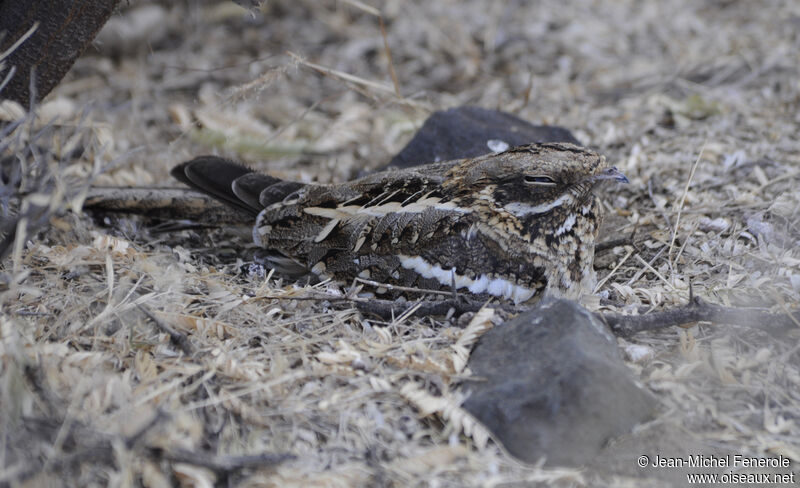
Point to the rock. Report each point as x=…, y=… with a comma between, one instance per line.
x=64, y=30
x=551, y=384
x=466, y=132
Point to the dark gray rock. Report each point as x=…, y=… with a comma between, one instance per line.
x=550, y=383
x=465, y=132
x=64, y=30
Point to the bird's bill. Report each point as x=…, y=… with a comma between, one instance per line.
x=611, y=173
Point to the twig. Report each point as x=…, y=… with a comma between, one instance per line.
x=622, y=325
x=683, y=201
x=177, y=338
x=162, y=203
x=342, y=76
x=643, y=270
x=386, y=309
x=661, y=211
x=100, y=451
x=24, y=37
x=377, y=13
x=389, y=286
x=392, y=73
x=654, y=271
x=696, y=310
x=613, y=271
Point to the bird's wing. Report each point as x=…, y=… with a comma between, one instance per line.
x=349, y=228
x=380, y=214
x=244, y=189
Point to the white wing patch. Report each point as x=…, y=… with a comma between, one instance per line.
x=326, y=230
x=345, y=212
x=498, y=287
x=522, y=209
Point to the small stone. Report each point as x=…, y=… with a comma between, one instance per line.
x=497, y=146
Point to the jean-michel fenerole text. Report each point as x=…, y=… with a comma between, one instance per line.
x=721, y=461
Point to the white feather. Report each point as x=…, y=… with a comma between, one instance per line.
x=494, y=286
x=523, y=209
x=567, y=225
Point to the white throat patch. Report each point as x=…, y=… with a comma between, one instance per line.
x=523, y=209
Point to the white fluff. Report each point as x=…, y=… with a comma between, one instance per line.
x=479, y=285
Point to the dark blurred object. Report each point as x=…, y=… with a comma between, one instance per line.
x=64, y=30
x=10, y=176
x=551, y=384
x=18, y=203
x=33, y=184
x=466, y=132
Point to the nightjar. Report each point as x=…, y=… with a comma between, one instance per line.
x=512, y=224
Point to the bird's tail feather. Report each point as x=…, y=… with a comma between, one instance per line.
x=234, y=184
x=215, y=176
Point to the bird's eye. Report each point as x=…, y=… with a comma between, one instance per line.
x=539, y=180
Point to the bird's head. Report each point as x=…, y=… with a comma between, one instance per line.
x=536, y=179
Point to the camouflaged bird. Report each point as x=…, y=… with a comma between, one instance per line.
x=510, y=225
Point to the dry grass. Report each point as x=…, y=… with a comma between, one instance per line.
x=696, y=102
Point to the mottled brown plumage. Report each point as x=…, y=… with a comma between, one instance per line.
x=510, y=225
